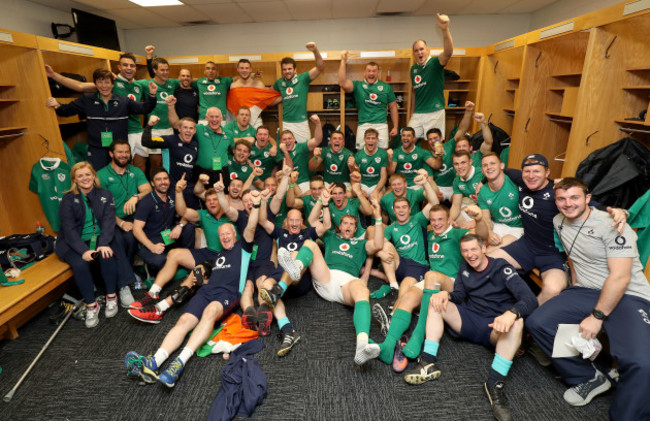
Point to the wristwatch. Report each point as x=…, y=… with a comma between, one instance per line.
x=257, y=206
x=136, y=196
x=598, y=314
x=516, y=312
x=180, y=224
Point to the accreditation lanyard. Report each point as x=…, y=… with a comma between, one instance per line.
x=216, y=160
x=106, y=136
x=165, y=234
x=93, y=238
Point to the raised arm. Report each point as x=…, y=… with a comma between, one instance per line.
x=249, y=231
x=366, y=207
x=149, y=50
x=447, y=43
x=318, y=133
x=276, y=202
x=255, y=172
x=69, y=83
x=174, y=121
x=488, y=140
x=465, y=122
x=229, y=211
x=377, y=242
x=292, y=200
x=199, y=186
x=345, y=83
x=316, y=70
x=391, y=166
x=181, y=207
x=394, y=118
x=263, y=218
x=326, y=225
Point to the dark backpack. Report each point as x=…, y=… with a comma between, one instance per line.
x=60, y=91
x=38, y=246
x=500, y=137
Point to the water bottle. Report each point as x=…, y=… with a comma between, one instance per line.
x=40, y=229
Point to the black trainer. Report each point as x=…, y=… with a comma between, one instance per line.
x=498, y=401
x=288, y=341
x=581, y=394
x=422, y=373
x=271, y=296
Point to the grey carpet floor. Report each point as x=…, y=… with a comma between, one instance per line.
x=82, y=376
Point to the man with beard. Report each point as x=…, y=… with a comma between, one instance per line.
x=428, y=81
x=155, y=227
x=241, y=127
x=264, y=155
x=340, y=204
x=128, y=185
x=371, y=163
x=248, y=91
x=335, y=273
x=308, y=201
x=239, y=165
x=183, y=150
x=372, y=96
x=466, y=185
x=187, y=96
x=397, y=183
x=409, y=158
x=609, y=292
x=293, y=89
x=149, y=309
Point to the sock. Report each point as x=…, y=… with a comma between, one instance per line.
x=398, y=324
x=499, y=370
x=282, y=285
x=185, y=355
x=154, y=290
x=414, y=345
x=394, y=285
x=362, y=340
x=380, y=292
x=361, y=317
x=162, y=306
x=285, y=325
x=160, y=356
x=305, y=255
x=430, y=352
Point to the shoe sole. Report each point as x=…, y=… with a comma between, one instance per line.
x=155, y=322
x=597, y=391
x=288, y=264
x=148, y=376
x=369, y=352
x=266, y=296
x=379, y=314
x=421, y=378
x=284, y=351
x=264, y=324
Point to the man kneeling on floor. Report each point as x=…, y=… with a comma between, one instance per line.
x=214, y=300
x=487, y=307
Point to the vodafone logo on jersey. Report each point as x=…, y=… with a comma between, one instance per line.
x=233, y=175
x=405, y=239
x=334, y=167
x=373, y=97
x=289, y=90
x=211, y=88
x=408, y=166
x=344, y=247
x=370, y=170
x=435, y=247
x=418, y=79
x=131, y=97
x=257, y=163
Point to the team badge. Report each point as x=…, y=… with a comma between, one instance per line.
x=61, y=177
x=365, y=86
x=266, y=154
x=294, y=80
x=414, y=156
x=378, y=160
x=380, y=88
x=137, y=90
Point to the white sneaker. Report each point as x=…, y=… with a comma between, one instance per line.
x=126, y=298
x=92, y=316
x=111, y=307
x=291, y=266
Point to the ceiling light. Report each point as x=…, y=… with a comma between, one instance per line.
x=152, y=3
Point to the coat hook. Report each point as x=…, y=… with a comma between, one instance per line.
x=537, y=59
x=526, y=126
x=610, y=46
x=495, y=66
x=489, y=118
x=587, y=140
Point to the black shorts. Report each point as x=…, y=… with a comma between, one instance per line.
x=202, y=255
x=529, y=258
x=410, y=268
x=263, y=268
x=474, y=326
x=202, y=298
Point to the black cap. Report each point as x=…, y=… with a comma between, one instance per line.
x=541, y=160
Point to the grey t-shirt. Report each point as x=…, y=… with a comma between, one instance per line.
x=594, y=244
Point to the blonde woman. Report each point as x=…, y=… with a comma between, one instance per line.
x=87, y=215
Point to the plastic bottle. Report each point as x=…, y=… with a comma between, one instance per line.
x=40, y=229
x=388, y=78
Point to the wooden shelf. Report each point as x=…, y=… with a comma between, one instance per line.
x=568, y=74
x=6, y=85
x=637, y=87
x=6, y=132
x=639, y=69
x=459, y=81
x=633, y=122
x=455, y=109
x=513, y=79
x=511, y=90
x=8, y=101
x=509, y=110
x=457, y=90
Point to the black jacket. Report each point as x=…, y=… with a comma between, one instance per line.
x=72, y=213
x=114, y=120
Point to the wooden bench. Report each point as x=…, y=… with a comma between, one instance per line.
x=45, y=282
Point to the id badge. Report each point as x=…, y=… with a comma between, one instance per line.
x=107, y=139
x=254, y=254
x=93, y=242
x=165, y=236
x=216, y=163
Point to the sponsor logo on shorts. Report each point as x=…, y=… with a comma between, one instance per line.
x=644, y=316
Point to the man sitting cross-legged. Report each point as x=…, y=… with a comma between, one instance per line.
x=487, y=307
x=214, y=300
x=335, y=273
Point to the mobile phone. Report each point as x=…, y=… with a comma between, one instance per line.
x=198, y=275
